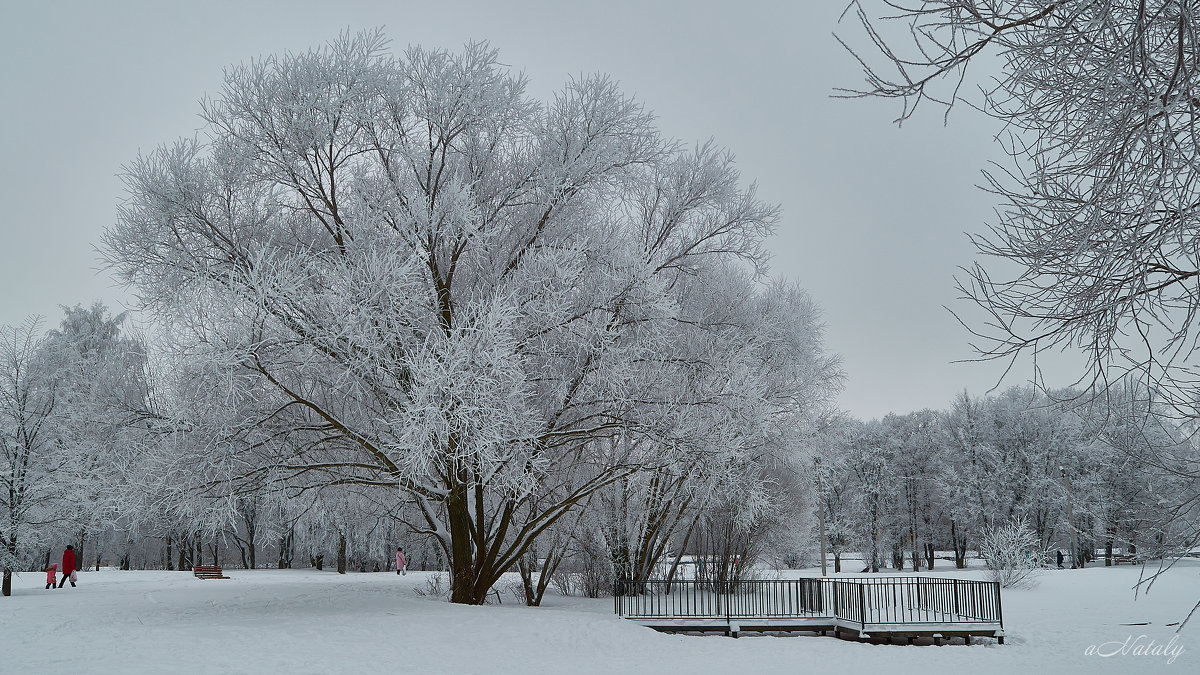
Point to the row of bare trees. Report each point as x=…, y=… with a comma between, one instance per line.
x=903, y=488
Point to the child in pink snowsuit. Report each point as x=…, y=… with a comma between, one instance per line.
x=50, y=572
x=401, y=561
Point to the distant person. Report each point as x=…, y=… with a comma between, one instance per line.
x=51, y=571
x=1060, y=559
x=68, y=566
x=401, y=561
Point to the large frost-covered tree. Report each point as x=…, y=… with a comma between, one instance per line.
x=767, y=377
x=30, y=411
x=67, y=398
x=424, y=278
x=104, y=377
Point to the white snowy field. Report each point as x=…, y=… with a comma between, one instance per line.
x=304, y=621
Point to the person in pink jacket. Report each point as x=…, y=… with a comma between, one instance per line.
x=401, y=561
x=50, y=572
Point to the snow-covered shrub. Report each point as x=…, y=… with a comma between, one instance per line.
x=435, y=586
x=595, y=580
x=565, y=582
x=1013, y=553
x=513, y=587
x=588, y=574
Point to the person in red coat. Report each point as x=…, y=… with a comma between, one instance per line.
x=68, y=566
x=50, y=572
x=401, y=561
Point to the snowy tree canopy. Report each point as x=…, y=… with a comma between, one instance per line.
x=67, y=402
x=423, y=277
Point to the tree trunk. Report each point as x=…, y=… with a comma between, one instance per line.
x=621, y=565
x=837, y=562
x=462, y=574
x=185, y=553
x=170, y=564
x=341, y=561
x=286, y=552
x=930, y=555
x=11, y=548
x=525, y=567
x=960, y=547
x=79, y=551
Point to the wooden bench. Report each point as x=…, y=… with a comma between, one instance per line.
x=207, y=572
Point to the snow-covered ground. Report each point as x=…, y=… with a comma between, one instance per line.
x=304, y=621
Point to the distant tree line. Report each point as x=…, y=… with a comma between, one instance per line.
x=901, y=489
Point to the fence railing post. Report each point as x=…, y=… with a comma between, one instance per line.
x=862, y=606
x=999, y=610
x=728, y=601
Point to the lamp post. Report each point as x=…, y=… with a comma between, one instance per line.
x=821, y=516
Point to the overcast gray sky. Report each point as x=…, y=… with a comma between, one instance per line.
x=874, y=215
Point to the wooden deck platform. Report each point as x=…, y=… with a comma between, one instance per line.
x=868, y=608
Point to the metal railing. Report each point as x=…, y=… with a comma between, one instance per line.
x=891, y=600
x=720, y=599
x=847, y=600
x=862, y=601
